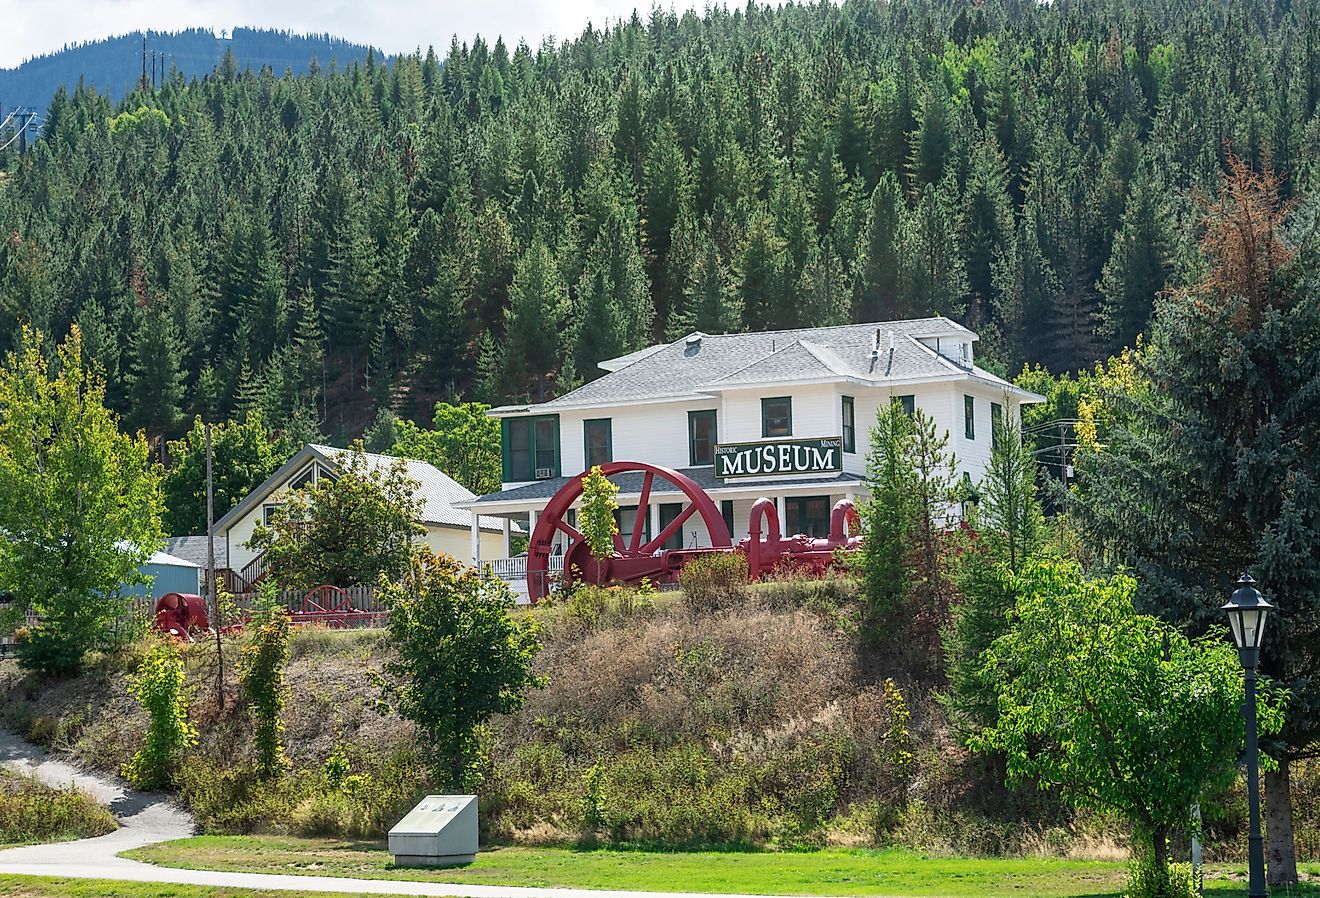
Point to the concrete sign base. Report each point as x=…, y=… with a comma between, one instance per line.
x=440, y=832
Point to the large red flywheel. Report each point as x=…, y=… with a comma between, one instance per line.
x=640, y=558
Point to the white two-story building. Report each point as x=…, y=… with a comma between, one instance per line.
x=782, y=414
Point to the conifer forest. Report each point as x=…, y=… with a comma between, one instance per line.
x=488, y=221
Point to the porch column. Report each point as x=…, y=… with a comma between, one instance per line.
x=653, y=511
x=508, y=537
x=476, y=539
x=531, y=525
x=783, y=515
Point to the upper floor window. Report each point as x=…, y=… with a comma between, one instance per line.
x=310, y=476
x=849, y=425
x=531, y=448
x=702, y=437
x=599, y=440
x=909, y=403
x=777, y=417
x=969, y=417
x=996, y=423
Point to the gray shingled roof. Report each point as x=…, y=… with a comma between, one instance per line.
x=630, y=483
x=690, y=367
x=193, y=548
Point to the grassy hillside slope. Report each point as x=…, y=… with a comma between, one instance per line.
x=777, y=721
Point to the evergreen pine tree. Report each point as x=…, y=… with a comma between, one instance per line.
x=1010, y=527
x=1139, y=267
x=154, y=379
x=879, y=278
x=538, y=305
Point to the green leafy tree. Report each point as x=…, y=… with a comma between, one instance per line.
x=597, y=514
x=242, y=456
x=1139, y=267
x=261, y=677
x=462, y=658
x=347, y=530
x=464, y=443
x=1115, y=710
x=935, y=495
x=383, y=432
x=80, y=501
x=158, y=687
x=879, y=278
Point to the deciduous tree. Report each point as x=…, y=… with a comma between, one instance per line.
x=462, y=658
x=80, y=502
x=345, y=530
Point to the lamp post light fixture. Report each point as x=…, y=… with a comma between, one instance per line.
x=1247, y=612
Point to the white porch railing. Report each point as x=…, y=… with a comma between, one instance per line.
x=516, y=568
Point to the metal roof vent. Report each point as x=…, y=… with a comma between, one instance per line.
x=694, y=340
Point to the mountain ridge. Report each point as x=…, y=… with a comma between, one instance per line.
x=113, y=65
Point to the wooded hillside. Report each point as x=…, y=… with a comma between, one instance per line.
x=489, y=222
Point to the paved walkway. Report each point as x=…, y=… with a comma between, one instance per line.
x=146, y=819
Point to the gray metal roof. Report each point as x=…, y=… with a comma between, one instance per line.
x=630, y=483
x=436, y=490
x=694, y=367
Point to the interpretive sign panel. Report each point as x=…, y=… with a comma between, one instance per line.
x=440, y=831
x=773, y=458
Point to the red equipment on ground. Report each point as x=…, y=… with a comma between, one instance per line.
x=181, y=614
x=642, y=559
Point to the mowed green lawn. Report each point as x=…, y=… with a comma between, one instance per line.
x=63, y=887
x=889, y=872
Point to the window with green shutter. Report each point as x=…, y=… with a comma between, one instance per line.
x=530, y=448
x=969, y=417
x=849, y=425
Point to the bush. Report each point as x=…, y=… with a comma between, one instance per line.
x=587, y=606
x=714, y=581
x=261, y=674
x=1146, y=880
x=44, y=651
x=158, y=686
x=33, y=812
x=232, y=798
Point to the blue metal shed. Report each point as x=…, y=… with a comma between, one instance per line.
x=171, y=573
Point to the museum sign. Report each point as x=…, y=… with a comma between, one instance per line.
x=774, y=458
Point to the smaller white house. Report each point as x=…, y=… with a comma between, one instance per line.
x=448, y=529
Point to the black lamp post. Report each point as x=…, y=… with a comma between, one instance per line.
x=1247, y=611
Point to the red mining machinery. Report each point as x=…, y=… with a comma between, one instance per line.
x=646, y=559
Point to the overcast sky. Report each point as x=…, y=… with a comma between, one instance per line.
x=32, y=28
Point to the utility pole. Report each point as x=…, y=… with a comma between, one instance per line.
x=144, y=83
x=211, y=587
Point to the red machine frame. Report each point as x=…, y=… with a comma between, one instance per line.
x=642, y=559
